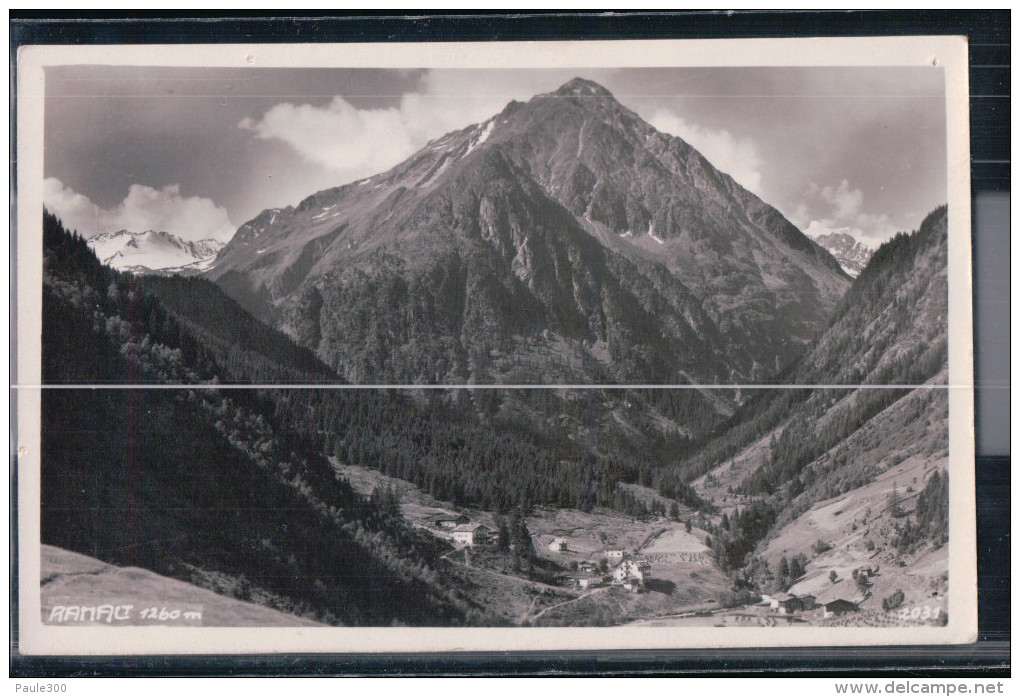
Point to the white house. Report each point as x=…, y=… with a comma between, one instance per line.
x=471, y=534
x=558, y=545
x=631, y=572
x=589, y=581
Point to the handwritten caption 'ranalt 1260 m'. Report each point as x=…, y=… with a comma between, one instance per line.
x=123, y=613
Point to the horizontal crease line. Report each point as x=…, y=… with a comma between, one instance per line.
x=486, y=387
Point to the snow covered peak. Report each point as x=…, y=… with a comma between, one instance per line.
x=153, y=250
x=851, y=251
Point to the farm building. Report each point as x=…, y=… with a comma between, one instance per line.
x=790, y=605
x=777, y=599
x=558, y=545
x=586, y=581
x=786, y=603
x=448, y=521
x=472, y=534
x=839, y=607
x=614, y=554
x=631, y=572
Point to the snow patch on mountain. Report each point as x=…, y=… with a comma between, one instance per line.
x=651, y=233
x=325, y=213
x=486, y=132
x=444, y=163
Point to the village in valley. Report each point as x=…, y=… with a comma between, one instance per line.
x=604, y=567
x=612, y=567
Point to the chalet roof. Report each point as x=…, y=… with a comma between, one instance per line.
x=447, y=516
x=840, y=604
x=471, y=527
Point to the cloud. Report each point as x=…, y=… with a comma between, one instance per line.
x=876, y=227
x=338, y=136
x=144, y=208
x=738, y=157
x=839, y=209
x=77, y=212
x=846, y=201
x=358, y=142
x=800, y=216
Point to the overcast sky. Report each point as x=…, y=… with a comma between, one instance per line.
x=198, y=152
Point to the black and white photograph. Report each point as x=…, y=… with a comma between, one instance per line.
x=572, y=345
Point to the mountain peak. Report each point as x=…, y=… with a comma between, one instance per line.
x=568, y=210
x=581, y=87
x=852, y=252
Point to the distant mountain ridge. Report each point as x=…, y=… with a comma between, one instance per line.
x=851, y=253
x=562, y=240
x=151, y=250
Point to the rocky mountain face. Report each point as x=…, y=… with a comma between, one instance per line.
x=153, y=251
x=851, y=253
x=563, y=240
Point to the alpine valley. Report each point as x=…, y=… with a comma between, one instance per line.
x=626, y=294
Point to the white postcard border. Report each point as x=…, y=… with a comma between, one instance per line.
x=945, y=53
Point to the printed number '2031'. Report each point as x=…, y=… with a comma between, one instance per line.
x=925, y=612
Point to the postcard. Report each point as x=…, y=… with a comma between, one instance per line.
x=494, y=346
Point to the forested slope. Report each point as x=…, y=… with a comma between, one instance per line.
x=890, y=329
x=202, y=485
x=461, y=447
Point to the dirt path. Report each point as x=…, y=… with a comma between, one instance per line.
x=567, y=602
x=651, y=538
x=527, y=613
